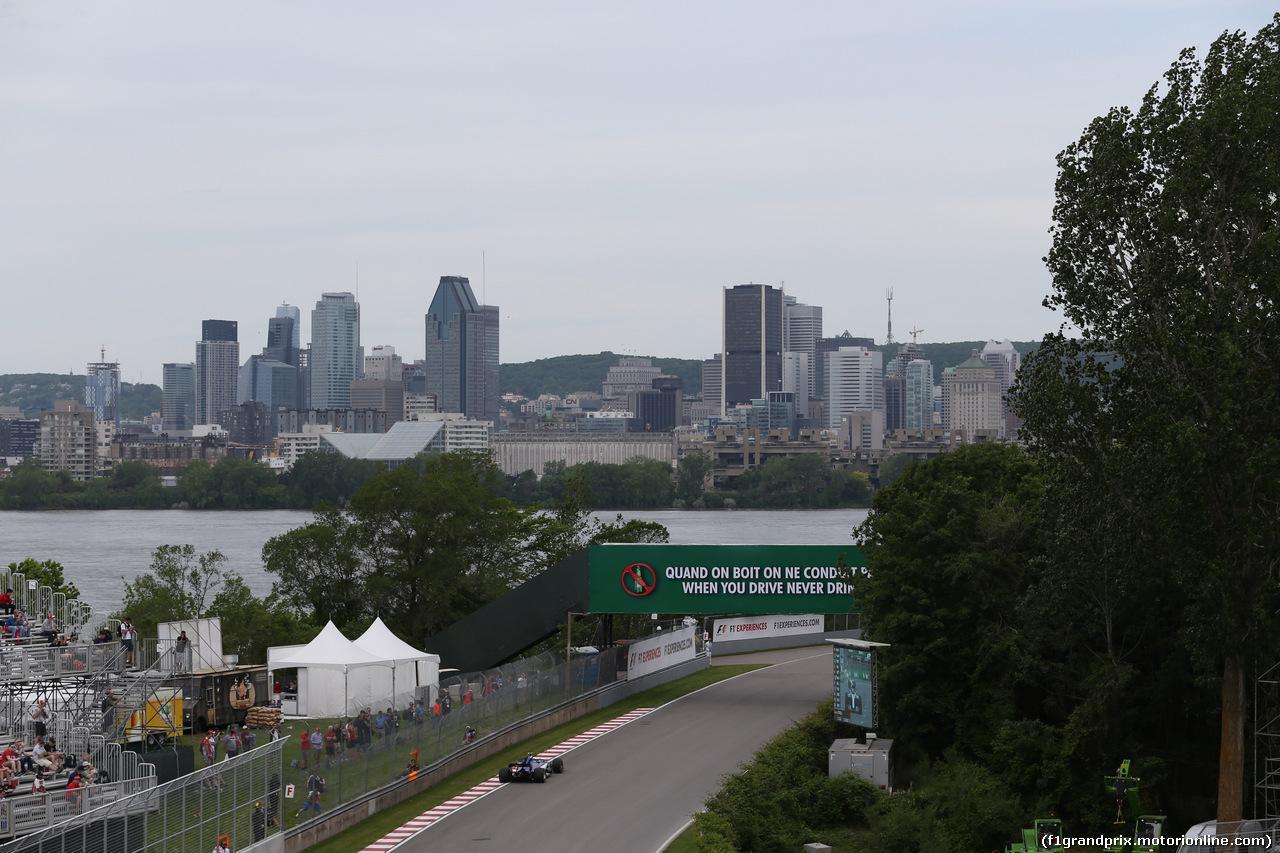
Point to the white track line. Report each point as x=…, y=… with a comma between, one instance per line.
x=399, y=836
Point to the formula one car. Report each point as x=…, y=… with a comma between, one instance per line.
x=530, y=769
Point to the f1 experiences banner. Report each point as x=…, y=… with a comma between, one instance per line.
x=746, y=627
x=660, y=652
x=751, y=579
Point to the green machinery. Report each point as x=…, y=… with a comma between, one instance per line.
x=1144, y=837
x=1147, y=829
x=1044, y=837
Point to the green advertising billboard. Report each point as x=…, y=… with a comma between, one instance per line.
x=751, y=579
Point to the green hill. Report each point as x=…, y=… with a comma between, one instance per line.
x=565, y=374
x=32, y=392
x=951, y=354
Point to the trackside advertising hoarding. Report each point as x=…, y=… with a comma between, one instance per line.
x=751, y=579
x=660, y=652
x=749, y=627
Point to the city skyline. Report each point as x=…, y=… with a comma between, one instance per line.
x=606, y=171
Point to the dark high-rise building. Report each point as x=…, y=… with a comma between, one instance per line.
x=217, y=369
x=660, y=408
x=219, y=330
x=178, y=406
x=18, y=437
x=752, y=351
x=273, y=378
x=282, y=336
x=461, y=366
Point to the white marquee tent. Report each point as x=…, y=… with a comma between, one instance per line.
x=412, y=667
x=335, y=676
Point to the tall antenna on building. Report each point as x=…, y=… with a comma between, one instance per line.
x=104, y=352
x=889, y=298
x=484, y=290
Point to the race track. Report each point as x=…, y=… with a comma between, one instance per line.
x=632, y=789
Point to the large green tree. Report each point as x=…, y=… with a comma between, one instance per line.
x=423, y=545
x=1155, y=410
x=950, y=549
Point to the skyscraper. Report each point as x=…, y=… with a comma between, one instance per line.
x=178, y=406
x=855, y=382
x=826, y=345
x=293, y=313
x=1005, y=360
x=273, y=378
x=802, y=329
x=752, y=350
x=102, y=391
x=918, y=396
x=971, y=397
x=462, y=350
x=337, y=359
x=217, y=369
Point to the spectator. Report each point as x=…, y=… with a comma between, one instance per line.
x=353, y=736
x=330, y=744
x=317, y=744
x=380, y=726
x=40, y=755
x=209, y=747
x=126, y=640
x=315, y=787
x=109, y=703
x=273, y=799
x=73, y=790
x=304, y=742
x=181, y=653
x=51, y=749
x=40, y=720
x=258, y=822
x=230, y=744
x=6, y=602
x=224, y=845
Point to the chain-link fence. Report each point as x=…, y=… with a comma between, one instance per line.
x=243, y=798
x=266, y=789
x=384, y=743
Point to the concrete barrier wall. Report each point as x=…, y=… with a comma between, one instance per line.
x=347, y=815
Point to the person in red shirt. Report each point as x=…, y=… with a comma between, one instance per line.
x=306, y=747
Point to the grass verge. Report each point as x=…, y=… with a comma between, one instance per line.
x=359, y=836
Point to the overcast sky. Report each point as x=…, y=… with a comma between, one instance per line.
x=615, y=164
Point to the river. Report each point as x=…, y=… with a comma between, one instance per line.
x=101, y=549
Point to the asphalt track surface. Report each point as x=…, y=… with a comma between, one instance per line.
x=633, y=789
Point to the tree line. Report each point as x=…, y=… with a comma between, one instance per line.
x=806, y=481
x=1111, y=591
x=230, y=483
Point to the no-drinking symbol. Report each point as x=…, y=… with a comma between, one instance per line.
x=639, y=579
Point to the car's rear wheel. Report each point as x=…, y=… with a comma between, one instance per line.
x=539, y=774
x=557, y=765
x=504, y=774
